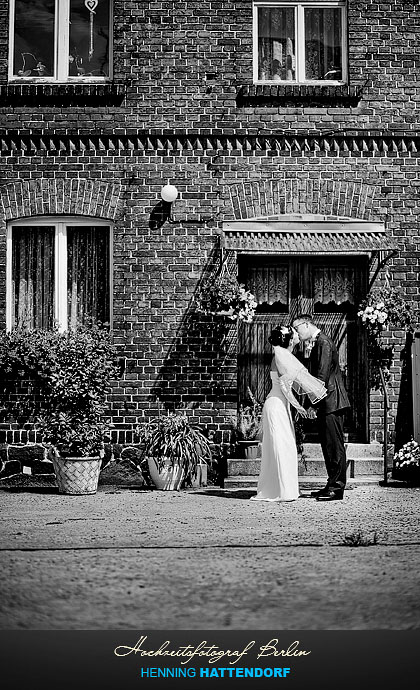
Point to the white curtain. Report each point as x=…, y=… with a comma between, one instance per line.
x=88, y=274
x=33, y=277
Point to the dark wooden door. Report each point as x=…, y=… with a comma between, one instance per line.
x=330, y=289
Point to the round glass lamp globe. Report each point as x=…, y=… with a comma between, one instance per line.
x=169, y=193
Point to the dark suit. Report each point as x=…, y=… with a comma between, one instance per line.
x=323, y=363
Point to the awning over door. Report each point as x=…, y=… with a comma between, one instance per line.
x=307, y=237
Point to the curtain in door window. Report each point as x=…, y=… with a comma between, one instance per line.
x=335, y=284
x=269, y=284
x=276, y=41
x=323, y=43
x=88, y=274
x=33, y=277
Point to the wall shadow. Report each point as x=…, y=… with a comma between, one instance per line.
x=200, y=367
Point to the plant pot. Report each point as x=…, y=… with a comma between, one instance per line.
x=169, y=478
x=200, y=478
x=76, y=475
x=250, y=450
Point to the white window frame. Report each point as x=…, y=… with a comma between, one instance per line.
x=61, y=48
x=60, y=224
x=299, y=6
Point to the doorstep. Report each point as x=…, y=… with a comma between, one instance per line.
x=307, y=482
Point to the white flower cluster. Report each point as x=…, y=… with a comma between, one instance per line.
x=245, y=310
x=408, y=455
x=376, y=315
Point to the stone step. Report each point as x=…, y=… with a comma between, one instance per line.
x=313, y=467
x=353, y=450
x=309, y=483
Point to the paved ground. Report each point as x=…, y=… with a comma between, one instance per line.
x=208, y=559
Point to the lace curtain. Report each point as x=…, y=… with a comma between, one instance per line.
x=323, y=43
x=276, y=38
x=269, y=284
x=334, y=285
x=88, y=274
x=33, y=277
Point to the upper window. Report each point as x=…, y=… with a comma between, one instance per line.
x=58, y=271
x=60, y=40
x=300, y=42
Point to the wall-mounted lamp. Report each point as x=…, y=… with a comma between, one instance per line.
x=169, y=193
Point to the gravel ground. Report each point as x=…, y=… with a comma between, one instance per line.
x=208, y=559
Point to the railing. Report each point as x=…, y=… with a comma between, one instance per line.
x=386, y=408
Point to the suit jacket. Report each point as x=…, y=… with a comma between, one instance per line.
x=323, y=363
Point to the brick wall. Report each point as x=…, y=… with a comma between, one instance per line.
x=182, y=67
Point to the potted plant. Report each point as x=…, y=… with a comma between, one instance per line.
x=174, y=449
x=68, y=374
x=246, y=425
x=75, y=446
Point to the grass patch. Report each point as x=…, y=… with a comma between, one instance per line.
x=360, y=539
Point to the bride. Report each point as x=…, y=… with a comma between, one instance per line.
x=278, y=480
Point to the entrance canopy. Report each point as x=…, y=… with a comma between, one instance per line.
x=318, y=237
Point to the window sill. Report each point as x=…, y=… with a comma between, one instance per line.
x=299, y=95
x=43, y=94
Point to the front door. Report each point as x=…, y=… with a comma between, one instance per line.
x=330, y=289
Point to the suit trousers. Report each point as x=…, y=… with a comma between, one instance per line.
x=331, y=435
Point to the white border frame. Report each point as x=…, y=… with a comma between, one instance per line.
x=299, y=6
x=60, y=261
x=61, y=37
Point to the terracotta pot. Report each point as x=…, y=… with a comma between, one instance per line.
x=169, y=478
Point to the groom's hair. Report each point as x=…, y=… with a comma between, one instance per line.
x=304, y=317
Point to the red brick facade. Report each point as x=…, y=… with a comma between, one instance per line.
x=183, y=109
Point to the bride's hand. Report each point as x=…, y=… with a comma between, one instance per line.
x=303, y=413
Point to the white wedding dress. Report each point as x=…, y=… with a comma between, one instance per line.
x=278, y=480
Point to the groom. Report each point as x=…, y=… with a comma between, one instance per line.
x=323, y=364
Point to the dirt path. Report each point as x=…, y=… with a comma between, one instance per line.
x=127, y=559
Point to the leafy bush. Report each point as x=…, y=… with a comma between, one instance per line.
x=71, y=372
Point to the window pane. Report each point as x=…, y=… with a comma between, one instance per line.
x=88, y=274
x=33, y=277
x=323, y=39
x=89, y=39
x=34, y=38
x=276, y=43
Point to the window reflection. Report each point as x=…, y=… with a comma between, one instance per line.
x=89, y=39
x=34, y=38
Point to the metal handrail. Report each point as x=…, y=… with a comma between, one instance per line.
x=386, y=408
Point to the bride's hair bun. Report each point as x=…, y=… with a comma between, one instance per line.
x=282, y=335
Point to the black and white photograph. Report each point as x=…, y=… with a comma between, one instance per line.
x=209, y=316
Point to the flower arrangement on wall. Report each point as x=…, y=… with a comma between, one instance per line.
x=384, y=310
x=224, y=295
x=407, y=461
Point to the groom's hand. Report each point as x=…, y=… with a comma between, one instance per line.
x=311, y=413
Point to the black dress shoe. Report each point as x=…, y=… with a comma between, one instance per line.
x=320, y=492
x=331, y=496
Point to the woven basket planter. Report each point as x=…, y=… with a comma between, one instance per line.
x=77, y=475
